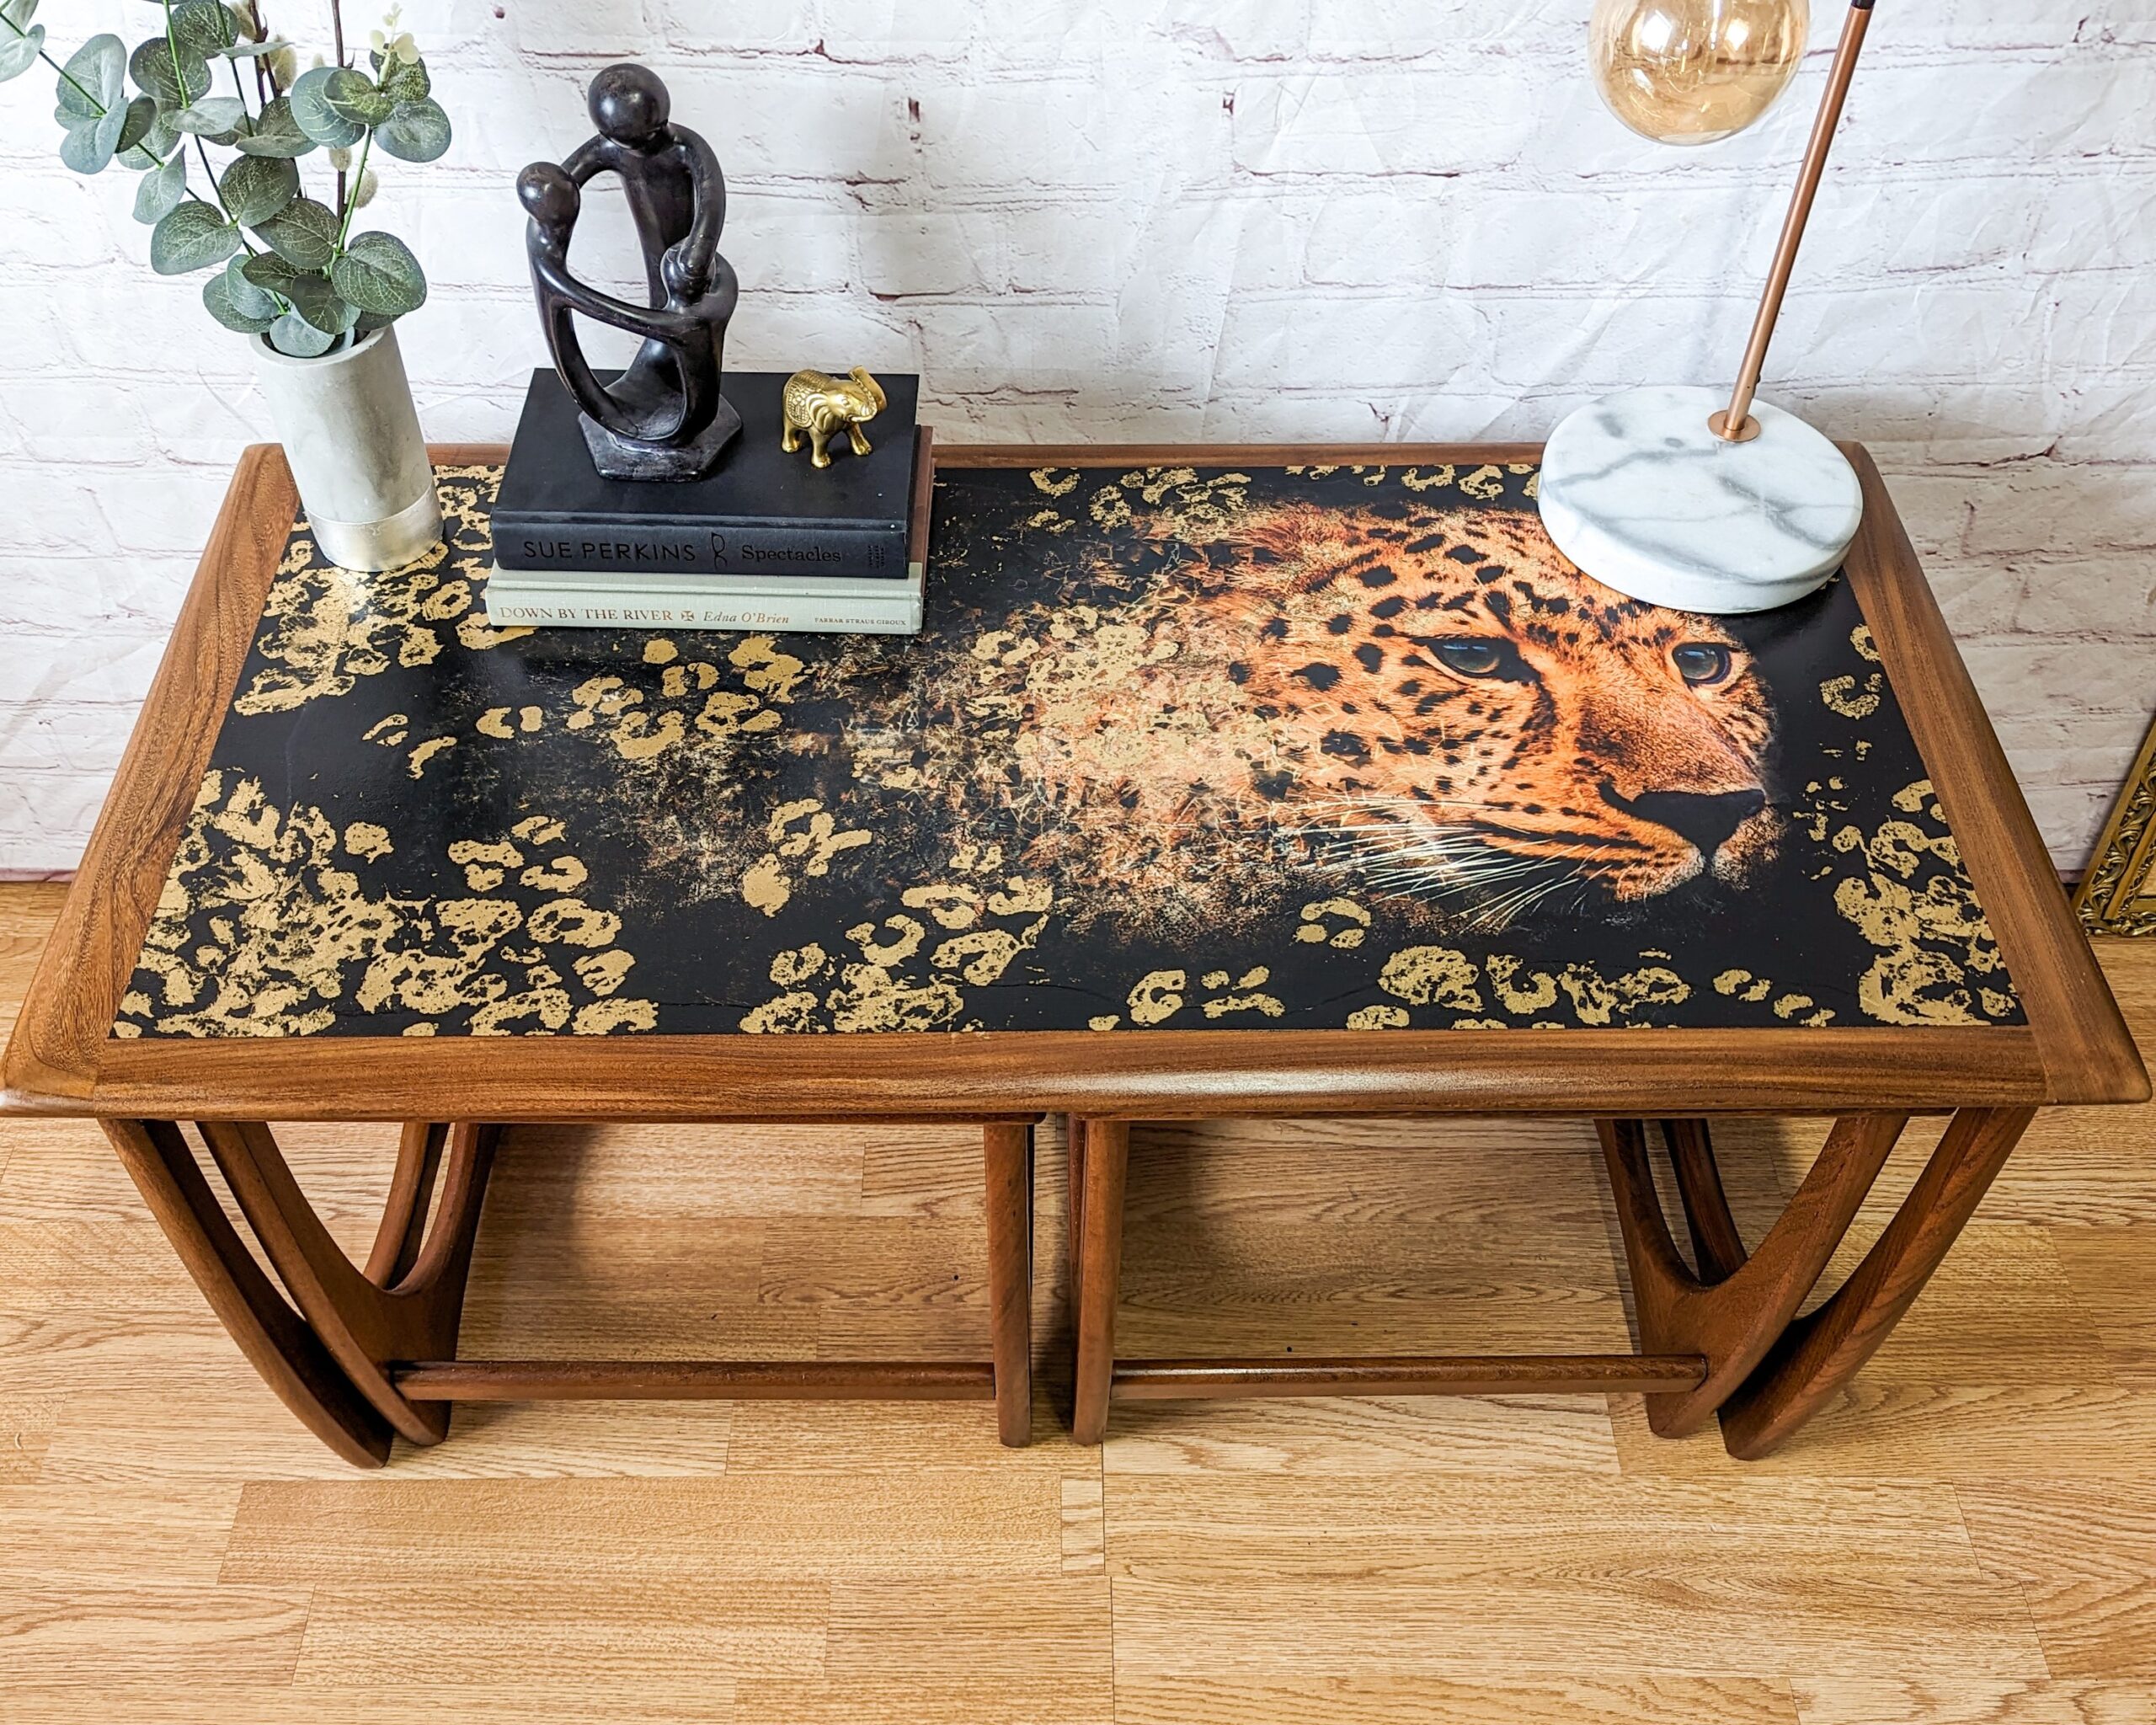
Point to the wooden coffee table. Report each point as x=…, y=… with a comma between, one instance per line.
x=1224, y=782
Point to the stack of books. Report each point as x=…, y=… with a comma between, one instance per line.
x=766, y=541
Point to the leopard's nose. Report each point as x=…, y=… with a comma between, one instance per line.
x=1707, y=819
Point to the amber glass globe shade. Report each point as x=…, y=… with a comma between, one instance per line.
x=1691, y=72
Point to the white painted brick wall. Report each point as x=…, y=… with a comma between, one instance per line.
x=1125, y=219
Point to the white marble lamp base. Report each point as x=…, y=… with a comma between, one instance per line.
x=1642, y=496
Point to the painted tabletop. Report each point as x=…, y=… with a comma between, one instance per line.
x=1233, y=749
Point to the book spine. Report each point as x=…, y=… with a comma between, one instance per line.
x=613, y=611
x=701, y=547
x=597, y=585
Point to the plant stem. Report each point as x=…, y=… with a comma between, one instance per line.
x=75, y=85
x=172, y=47
x=344, y=202
x=263, y=69
x=70, y=76
x=217, y=192
x=359, y=183
x=101, y=109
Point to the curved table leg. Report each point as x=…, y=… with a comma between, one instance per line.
x=1008, y=1153
x=1732, y=1317
x=1098, y=1252
x=1823, y=1350
x=1717, y=1247
x=413, y=1312
x=275, y=1339
x=403, y=1227
x=1074, y=1221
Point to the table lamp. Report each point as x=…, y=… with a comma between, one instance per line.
x=1673, y=493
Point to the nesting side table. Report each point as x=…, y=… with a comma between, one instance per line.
x=1223, y=782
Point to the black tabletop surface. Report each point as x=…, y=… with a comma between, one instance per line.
x=1212, y=749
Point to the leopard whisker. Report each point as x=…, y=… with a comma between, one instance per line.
x=1485, y=866
x=1405, y=831
x=1465, y=846
x=1390, y=844
x=1435, y=881
x=1437, y=866
x=1378, y=801
x=1476, y=830
x=1508, y=910
x=1437, y=884
x=1387, y=835
x=1518, y=885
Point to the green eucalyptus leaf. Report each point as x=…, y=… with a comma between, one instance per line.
x=404, y=82
x=154, y=146
x=18, y=13
x=266, y=270
x=276, y=132
x=312, y=111
x=19, y=48
x=377, y=273
x=255, y=51
x=88, y=145
x=172, y=83
x=94, y=81
x=192, y=237
x=202, y=29
x=294, y=335
x=159, y=193
x=353, y=97
x=83, y=147
x=217, y=297
x=213, y=117
x=303, y=233
x=315, y=299
x=247, y=297
x=255, y=188
x=419, y=131
x=142, y=115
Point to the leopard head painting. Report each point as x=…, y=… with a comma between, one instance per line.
x=1431, y=705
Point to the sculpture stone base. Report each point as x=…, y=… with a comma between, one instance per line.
x=653, y=406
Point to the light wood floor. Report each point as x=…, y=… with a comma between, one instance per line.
x=1971, y=1537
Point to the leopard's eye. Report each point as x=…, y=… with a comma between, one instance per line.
x=1701, y=663
x=1470, y=658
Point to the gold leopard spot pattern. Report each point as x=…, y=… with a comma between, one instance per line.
x=1181, y=748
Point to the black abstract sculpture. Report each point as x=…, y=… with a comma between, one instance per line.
x=663, y=418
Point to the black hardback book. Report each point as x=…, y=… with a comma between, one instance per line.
x=762, y=512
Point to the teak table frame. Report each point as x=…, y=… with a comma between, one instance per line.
x=1722, y=1338
x=362, y=1353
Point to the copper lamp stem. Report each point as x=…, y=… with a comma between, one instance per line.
x=1736, y=423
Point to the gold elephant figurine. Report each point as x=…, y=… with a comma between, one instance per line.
x=823, y=405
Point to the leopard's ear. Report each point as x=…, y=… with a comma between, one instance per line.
x=1311, y=546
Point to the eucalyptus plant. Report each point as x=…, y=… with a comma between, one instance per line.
x=286, y=265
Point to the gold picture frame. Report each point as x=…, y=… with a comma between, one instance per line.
x=2118, y=894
